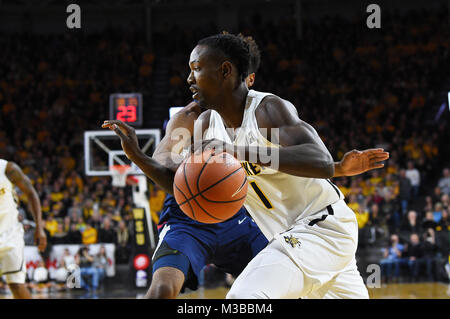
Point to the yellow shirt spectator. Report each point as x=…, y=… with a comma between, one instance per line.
x=51, y=225
x=361, y=218
x=156, y=204
x=345, y=190
x=56, y=196
x=89, y=236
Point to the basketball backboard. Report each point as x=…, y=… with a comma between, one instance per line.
x=102, y=150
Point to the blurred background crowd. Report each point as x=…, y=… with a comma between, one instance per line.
x=358, y=89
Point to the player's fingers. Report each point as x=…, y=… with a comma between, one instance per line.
x=379, y=155
x=373, y=150
x=376, y=165
x=378, y=158
x=118, y=131
x=120, y=124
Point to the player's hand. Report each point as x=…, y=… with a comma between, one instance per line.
x=127, y=136
x=40, y=238
x=357, y=162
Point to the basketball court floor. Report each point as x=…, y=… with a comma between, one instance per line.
x=390, y=291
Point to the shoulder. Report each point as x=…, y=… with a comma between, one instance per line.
x=11, y=167
x=3, y=164
x=185, y=117
x=204, y=119
x=192, y=110
x=274, y=111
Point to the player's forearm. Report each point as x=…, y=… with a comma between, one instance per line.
x=306, y=160
x=338, y=171
x=168, y=159
x=161, y=175
x=35, y=207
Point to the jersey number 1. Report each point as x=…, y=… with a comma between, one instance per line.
x=261, y=195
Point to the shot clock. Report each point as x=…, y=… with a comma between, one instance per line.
x=126, y=107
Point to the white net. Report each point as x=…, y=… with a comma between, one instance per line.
x=119, y=176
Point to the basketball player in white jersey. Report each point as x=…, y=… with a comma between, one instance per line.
x=353, y=163
x=12, y=259
x=313, y=234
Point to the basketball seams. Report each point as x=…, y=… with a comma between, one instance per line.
x=193, y=197
x=211, y=186
x=190, y=206
x=218, y=182
x=189, y=189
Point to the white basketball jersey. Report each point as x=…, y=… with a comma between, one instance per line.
x=8, y=206
x=275, y=200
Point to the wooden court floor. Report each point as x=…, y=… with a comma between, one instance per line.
x=390, y=291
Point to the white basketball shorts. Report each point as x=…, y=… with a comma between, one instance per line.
x=12, y=258
x=314, y=259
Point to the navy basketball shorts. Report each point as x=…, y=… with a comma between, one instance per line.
x=189, y=246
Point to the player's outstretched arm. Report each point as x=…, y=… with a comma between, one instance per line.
x=357, y=162
x=18, y=178
x=160, y=174
x=161, y=167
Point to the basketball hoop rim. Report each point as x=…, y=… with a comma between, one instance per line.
x=121, y=169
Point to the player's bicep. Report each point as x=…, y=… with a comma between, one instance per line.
x=298, y=134
x=18, y=178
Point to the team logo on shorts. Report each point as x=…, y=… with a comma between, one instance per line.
x=292, y=241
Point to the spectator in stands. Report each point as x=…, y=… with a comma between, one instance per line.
x=428, y=221
x=107, y=234
x=410, y=226
x=157, y=197
x=28, y=228
x=74, y=211
x=89, y=275
x=60, y=237
x=89, y=235
x=413, y=254
x=51, y=224
x=123, y=243
x=74, y=235
x=437, y=213
x=413, y=175
x=436, y=197
x=444, y=222
x=444, y=181
x=445, y=201
x=376, y=224
x=428, y=204
x=430, y=250
x=391, y=209
x=405, y=190
x=392, y=259
x=81, y=224
x=66, y=224
x=101, y=263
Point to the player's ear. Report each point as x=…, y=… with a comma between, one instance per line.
x=227, y=68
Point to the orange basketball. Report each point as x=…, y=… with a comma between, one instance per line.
x=210, y=188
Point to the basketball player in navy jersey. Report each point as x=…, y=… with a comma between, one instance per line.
x=185, y=246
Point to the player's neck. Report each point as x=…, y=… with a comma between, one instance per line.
x=232, y=110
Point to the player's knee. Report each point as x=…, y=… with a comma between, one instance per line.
x=162, y=290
